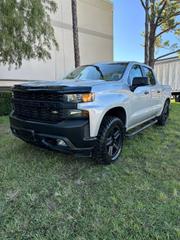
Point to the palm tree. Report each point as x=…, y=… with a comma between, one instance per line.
x=75, y=33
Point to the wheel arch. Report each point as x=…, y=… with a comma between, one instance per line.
x=119, y=112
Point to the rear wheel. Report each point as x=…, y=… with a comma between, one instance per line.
x=177, y=98
x=110, y=140
x=164, y=115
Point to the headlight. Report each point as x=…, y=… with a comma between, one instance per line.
x=80, y=97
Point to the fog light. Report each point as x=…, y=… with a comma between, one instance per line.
x=75, y=113
x=61, y=142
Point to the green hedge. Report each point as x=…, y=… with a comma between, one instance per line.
x=5, y=103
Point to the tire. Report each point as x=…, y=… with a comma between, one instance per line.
x=109, y=141
x=177, y=98
x=162, y=119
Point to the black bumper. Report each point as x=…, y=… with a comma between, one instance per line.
x=75, y=134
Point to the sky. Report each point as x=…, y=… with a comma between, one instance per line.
x=128, y=26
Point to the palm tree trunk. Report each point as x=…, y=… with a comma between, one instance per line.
x=75, y=33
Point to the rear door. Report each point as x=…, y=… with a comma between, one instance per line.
x=140, y=99
x=155, y=89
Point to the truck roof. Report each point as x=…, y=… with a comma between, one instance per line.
x=123, y=62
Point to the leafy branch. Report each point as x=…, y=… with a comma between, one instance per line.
x=26, y=31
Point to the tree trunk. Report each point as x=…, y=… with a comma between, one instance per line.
x=151, y=45
x=146, y=39
x=75, y=33
x=152, y=31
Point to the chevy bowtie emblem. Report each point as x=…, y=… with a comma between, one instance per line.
x=54, y=112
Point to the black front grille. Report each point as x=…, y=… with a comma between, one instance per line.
x=38, y=95
x=40, y=106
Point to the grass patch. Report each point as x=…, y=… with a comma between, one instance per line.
x=5, y=103
x=48, y=195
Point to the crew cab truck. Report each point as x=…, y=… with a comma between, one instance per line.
x=91, y=110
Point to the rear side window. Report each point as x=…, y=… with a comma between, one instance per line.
x=135, y=72
x=149, y=74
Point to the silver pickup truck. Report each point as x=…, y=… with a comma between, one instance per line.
x=91, y=110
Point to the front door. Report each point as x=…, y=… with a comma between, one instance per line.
x=140, y=99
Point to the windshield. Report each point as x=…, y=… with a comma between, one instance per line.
x=107, y=72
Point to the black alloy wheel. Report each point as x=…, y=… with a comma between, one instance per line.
x=114, y=142
x=109, y=141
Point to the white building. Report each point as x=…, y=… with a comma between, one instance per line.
x=95, y=39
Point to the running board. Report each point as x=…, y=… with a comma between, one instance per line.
x=141, y=129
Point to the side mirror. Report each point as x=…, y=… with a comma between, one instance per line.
x=138, y=82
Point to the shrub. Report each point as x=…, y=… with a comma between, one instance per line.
x=5, y=103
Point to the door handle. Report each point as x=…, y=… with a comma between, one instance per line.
x=146, y=92
x=158, y=91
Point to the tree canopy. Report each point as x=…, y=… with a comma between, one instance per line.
x=162, y=16
x=25, y=30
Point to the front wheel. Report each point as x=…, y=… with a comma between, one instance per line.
x=109, y=141
x=162, y=119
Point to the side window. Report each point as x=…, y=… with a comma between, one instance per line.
x=149, y=74
x=135, y=72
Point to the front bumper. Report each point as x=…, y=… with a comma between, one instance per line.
x=74, y=133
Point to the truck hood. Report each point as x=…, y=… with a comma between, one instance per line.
x=70, y=86
x=68, y=83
